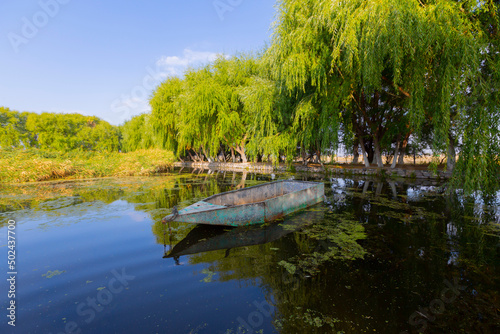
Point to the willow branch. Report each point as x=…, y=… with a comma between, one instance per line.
x=401, y=90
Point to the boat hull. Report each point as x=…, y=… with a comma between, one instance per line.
x=252, y=205
x=204, y=238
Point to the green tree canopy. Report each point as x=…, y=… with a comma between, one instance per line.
x=138, y=133
x=66, y=132
x=13, y=129
x=376, y=65
x=204, y=111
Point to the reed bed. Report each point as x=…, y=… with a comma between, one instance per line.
x=32, y=165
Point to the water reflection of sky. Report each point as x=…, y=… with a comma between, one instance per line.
x=497, y=208
x=417, y=193
x=94, y=229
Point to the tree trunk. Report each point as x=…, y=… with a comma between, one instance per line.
x=370, y=153
x=378, y=153
x=318, y=157
x=395, y=158
x=363, y=151
x=304, y=156
x=451, y=158
x=365, y=186
x=232, y=155
x=206, y=155
x=222, y=156
x=355, y=156
x=401, y=160
x=200, y=155
x=393, y=188
x=241, y=151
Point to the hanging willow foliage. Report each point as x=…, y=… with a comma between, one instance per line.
x=165, y=112
x=204, y=111
x=391, y=61
x=367, y=72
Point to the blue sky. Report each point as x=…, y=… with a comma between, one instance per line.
x=102, y=57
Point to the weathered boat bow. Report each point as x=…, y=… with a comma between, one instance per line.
x=252, y=205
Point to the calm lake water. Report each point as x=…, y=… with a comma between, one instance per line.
x=389, y=257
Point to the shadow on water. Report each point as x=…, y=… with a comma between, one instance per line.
x=388, y=256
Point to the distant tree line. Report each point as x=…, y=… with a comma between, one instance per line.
x=56, y=132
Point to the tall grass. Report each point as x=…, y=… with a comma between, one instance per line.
x=33, y=165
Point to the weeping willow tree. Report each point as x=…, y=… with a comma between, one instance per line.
x=478, y=122
x=165, y=112
x=138, y=133
x=268, y=115
x=203, y=112
x=285, y=124
x=368, y=66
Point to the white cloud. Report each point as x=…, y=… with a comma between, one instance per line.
x=128, y=107
x=137, y=100
x=174, y=65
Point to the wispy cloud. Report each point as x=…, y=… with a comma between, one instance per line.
x=174, y=65
x=136, y=101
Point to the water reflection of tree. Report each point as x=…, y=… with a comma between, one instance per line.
x=425, y=240
x=295, y=293
x=154, y=195
x=413, y=244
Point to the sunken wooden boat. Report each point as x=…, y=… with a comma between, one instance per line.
x=252, y=205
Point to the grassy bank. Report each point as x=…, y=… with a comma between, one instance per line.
x=36, y=165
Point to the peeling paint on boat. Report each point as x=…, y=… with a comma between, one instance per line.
x=252, y=205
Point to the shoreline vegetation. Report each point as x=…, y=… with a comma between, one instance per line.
x=412, y=172
x=34, y=165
